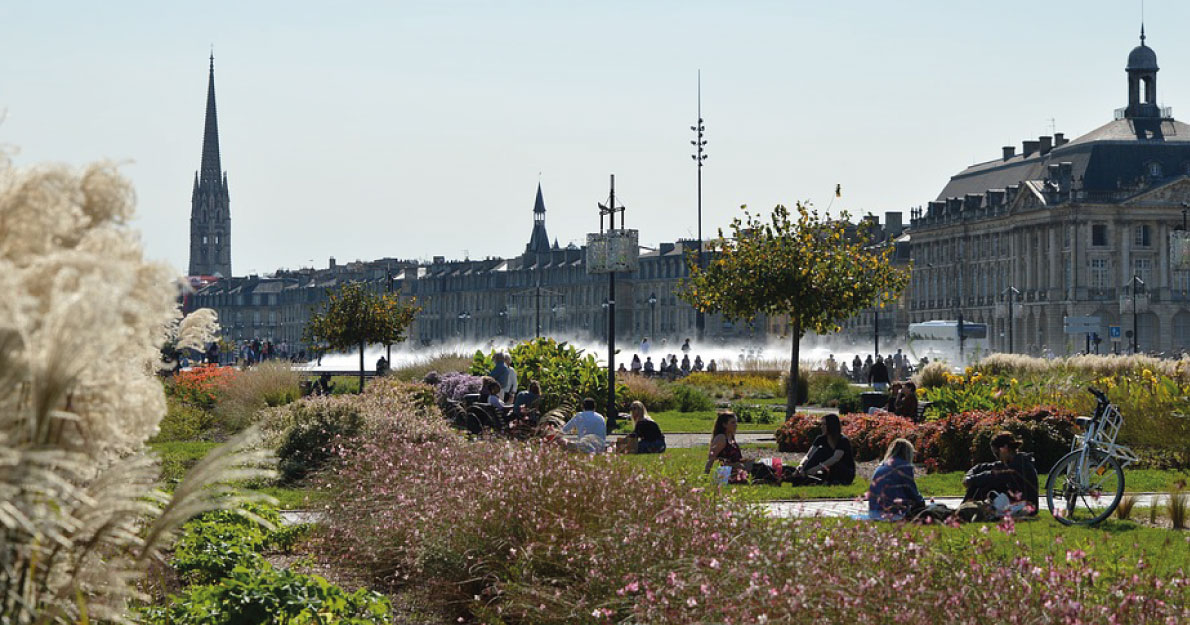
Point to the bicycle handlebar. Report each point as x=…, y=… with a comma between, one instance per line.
x=1100, y=395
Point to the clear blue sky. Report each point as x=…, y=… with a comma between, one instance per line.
x=412, y=129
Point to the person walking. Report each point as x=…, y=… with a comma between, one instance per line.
x=878, y=375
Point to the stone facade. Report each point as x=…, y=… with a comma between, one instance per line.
x=1075, y=226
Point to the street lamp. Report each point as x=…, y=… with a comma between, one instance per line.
x=1010, y=294
x=1133, y=285
x=699, y=156
x=653, y=315
x=503, y=322
x=605, y=307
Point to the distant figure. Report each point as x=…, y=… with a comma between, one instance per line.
x=898, y=365
x=831, y=365
x=324, y=386
x=649, y=368
x=844, y=372
x=711, y=366
x=382, y=367
x=698, y=366
x=857, y=366
x=504, y=374
x=590, y=427
x=525, y=403
x=622, y=368
x=644, y=346
x=867, y=369
x=878, y=375
x=686, y=347
x=673, y=364
x=685, y=364
x=636, y=366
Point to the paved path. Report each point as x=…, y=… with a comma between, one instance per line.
x=702, y=439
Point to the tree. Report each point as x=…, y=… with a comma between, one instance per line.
x=802, y=266
x=356, y=316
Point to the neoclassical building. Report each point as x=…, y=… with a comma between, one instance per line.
x=1076, y=226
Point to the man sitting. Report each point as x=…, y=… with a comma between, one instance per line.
x=1013, y=474
x=590, y=427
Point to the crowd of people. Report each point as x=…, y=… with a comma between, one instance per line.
x=876, y=369
x=669, y=366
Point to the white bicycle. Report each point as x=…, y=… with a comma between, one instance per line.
x=1086, y=485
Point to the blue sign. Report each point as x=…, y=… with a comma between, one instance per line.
x=1114, y=332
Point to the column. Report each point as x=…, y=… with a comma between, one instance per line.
x=1055, y=277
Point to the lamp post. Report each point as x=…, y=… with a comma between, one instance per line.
x=1010, y=294
x=699, y=156
x=503, y=314
x=388, y=347
x=463, y=317
x=605, y=306
x=653, y=315
x=1133, y=285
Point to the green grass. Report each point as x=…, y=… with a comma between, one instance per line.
x=704, y=421
x=177, y=457
x=688, y=464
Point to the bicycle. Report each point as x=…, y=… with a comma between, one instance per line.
x=1086, y=485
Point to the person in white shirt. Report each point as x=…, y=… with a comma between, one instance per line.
x=590, y=427
x=644, y=346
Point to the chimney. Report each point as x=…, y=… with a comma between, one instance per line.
x=439, y=260
x=1009, y=151
x=893, y=225
x=1028, y=148
x=1060, y=139
x=1047, y=143
x=332, y=262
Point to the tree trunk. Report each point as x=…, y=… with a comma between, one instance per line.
x=791, y=391
x=361, y=366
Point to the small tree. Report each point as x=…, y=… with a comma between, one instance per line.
x=355, y=316
x=802, y=266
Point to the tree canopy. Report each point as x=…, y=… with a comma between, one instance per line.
x=355, y=316
x=814, y=271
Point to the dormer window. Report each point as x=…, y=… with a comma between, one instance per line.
x=1154, y=170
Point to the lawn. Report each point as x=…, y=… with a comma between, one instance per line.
x=688, y=464
x=704, y=421
x=177, y=457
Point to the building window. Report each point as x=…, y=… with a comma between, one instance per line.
x=1181, y=281
x=1143, y=269
x=1142, y=236
x=1099, y=234
x=1155, y=170
x=1099, y=273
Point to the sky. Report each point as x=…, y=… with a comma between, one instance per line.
x=403, y=129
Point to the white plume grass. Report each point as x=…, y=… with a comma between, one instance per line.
x=82, y=320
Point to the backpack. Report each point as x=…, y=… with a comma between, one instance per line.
x=976, y=512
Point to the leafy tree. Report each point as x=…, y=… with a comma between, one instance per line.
x=355, y=316
x=799, y=265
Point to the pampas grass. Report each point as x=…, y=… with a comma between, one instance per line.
x=1124, y=509
x=269, y=384
x=82, y=322
x=1179, y=499
x=1099, y=366
x=932, y=375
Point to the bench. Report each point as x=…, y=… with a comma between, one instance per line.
x=921, y=411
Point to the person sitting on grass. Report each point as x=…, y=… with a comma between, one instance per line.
x=1013, y=474
x=590, y=427
x=525, y=403
x=646, y=436
x=724, y=449
x=893, y=494
x=830, y=459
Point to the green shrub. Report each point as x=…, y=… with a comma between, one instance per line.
x=833, y=391
x=213, y=544
x=731, y=385
x=803, y=385
x=267, y=385
x=265, y=595
x=566, y=374
x=309, y=428
x=751, y=413
x=691, y=399
x=184, y=422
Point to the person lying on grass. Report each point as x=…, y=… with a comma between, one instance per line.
x=1013, y=474
x=646, y=437
x=830, y=459
x=893, y=493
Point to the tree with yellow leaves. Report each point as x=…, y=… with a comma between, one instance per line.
x=795, y=264
x=355, y=316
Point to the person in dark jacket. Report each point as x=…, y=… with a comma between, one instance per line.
x=1013, y=474
x=893, y=492
x=878, y=375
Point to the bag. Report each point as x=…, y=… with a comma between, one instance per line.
x=762, y=473
x=932, y=513
x=976, y=512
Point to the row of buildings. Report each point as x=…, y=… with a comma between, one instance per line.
x=1087, y=227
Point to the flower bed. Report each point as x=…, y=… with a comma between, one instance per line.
x=953, y=443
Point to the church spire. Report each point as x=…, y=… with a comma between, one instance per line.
x=539, y=241
x=212, y=170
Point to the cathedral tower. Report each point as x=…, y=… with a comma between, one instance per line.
x=210, y=214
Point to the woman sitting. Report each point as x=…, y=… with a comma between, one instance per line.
x=893, y=494
x=724, y=449
x=525, y=403
x=830, y=459
x=493, y=391
x=646, y=437
x=907, y=406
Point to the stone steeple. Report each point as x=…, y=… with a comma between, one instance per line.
x=539, y=241
x=210, y=214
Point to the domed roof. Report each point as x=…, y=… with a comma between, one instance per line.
x=1142, y=57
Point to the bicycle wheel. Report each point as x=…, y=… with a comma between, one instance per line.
x=1084, y=493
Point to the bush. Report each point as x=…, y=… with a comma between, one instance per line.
x=183, y=422
x=730, y=385
x=691, y=399
x=932, y=375
x=265, y=595
x=798, y=432
x=267, y=385
x=456, y=386
x=751, y=413
x=655, y=395
x=201, y=387
x=442, y=363
x=870, y=435
x=833, y=391
x=213, y=544
x=566, y=375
